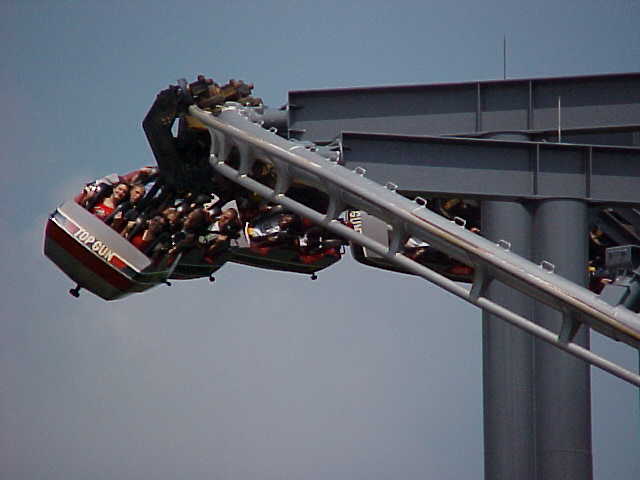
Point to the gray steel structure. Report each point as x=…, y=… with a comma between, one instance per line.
x=524, y=181
x=536, y=195
x=231, y=129
x=604, y=109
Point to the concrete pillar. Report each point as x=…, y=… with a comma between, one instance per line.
x=508, y=393
x=562, y=382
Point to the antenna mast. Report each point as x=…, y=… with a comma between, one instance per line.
x=504, y=57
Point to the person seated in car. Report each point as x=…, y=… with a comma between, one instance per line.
x=316, y=244
x=131, y=216
x=193, y=226
x=263, y=173
x=184, y=205
x=145, y=240
x=106, y=207
x=227, y=223
x=212, y=205
x=467, y=209
x=218, y=237
x=95, y=191
x=428, y=256
x=192, y=201
x=599, y=277
x=251, y=206
x=281, y=230
x=126, y=214
x=424, y=253
x=173, y=220
x=136, y=194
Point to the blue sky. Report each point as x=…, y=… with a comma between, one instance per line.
x=361, y=374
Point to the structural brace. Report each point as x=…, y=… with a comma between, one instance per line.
x=237, y=127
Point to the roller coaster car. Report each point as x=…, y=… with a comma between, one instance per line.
x=191, y=266
x=268, y=244
x=101, y=261
x=95, y=256
x=379, y=231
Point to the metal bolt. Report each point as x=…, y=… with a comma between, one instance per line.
x=547, y=266
x=504, y=245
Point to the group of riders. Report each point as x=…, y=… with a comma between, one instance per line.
x=183, y=205
x=163, y=222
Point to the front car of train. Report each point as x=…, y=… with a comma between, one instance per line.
x=96, y=257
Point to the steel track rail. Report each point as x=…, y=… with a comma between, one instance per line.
x=232, y=129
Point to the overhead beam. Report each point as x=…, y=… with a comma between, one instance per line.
x=608, y=101
x=498, y=169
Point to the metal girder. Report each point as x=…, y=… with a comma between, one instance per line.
x=624, y=136
x=611, y=102
x=498, y=169
x=232, y=128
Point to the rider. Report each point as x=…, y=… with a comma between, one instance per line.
x=145, y=240
x=219, y=234
x=127, y=212
x=95, y=191
x=280, y=230
x=187, y=238
x=105, y=208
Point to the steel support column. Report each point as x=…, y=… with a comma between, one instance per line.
x=562, y=383
x=509, y=439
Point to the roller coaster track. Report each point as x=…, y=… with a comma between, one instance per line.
x=239, y=128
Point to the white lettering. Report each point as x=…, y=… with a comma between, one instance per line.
x=98, y=247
